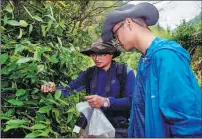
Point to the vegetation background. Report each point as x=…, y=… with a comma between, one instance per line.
x=40, y=42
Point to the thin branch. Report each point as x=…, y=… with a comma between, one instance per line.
x=198, y=5
x=105, y=8
x=156, y=2
x=167, y=5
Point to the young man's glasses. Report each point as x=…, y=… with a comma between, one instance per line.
x=115, y=35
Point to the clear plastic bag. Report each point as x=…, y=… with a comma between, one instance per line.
x=98, y=124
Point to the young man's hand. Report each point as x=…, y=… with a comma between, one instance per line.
x=48, y=88
x=95, y=101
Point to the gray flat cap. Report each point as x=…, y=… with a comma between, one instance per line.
x=143, y=10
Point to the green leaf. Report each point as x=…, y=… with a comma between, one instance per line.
x=19, y=48
x=4, y=58
x=52, y=101
x=2, y=28
x=36, y=17
x=71, y=110
x=74, y=76
x=51, y=17
x=44, y=109
x=63, y=102
x=4, y=117
x=30, y=28
x=8, y=127
x=31, y=103
x=57, y=94
x=40, y=68
x=12, y=66
x=20, y=92
x=51, y=11
x=7, y=115
x=62, y=24
x=13, y=23
x=54, y=59
x=43, y=28
x=33, y=135
x=35, y=91
x=16, y=122
x=5, y=20
x=49, y=96
x=16, y=102
x=28, y=12
x=70, y=116
x=35, y=96
x=9, y=8
x=38, y=126
x=20, y=35
x=57, y=115
x=45, y=133
x=10, y=112
x=37, y=55
x=23, y=60
x=59, y=40
x=49, y=26
x=23, y=23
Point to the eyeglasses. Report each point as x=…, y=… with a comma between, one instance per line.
x=115, y=35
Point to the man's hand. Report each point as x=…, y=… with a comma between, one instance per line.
x=95, y=101
x=48, y=88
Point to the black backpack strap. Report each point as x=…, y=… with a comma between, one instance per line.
x=89, y=76
x=121, y=74
x=108, y=82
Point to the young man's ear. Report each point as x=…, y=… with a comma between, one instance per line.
x=128, y=20
x=129, y=23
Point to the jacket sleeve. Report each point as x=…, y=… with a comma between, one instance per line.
x=125, y=102
x=179, y=93
x=78, y=84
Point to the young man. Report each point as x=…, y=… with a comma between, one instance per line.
x=109, y=84
x=167, y=99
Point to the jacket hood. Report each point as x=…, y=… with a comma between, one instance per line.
x=160, y=44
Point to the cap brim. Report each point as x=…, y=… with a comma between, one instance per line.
x=89, y=52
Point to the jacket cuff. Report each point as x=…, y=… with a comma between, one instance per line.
x=112, y=101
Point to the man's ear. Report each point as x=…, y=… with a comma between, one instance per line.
x=129, y=23
x=128, y=20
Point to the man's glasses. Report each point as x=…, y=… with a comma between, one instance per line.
x=116, y=36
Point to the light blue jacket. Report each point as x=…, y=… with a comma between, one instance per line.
x=172, y=96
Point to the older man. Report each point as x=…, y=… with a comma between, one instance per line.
x=110, y=85
x=167, y=98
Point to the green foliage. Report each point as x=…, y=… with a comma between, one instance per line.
x=130, y=58
x=188, y=35
x=36, y=48
x=41, y=41
x=157, y=30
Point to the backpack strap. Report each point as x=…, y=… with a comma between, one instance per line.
x=121, y=74
x=108, y=82
x=89, y=76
